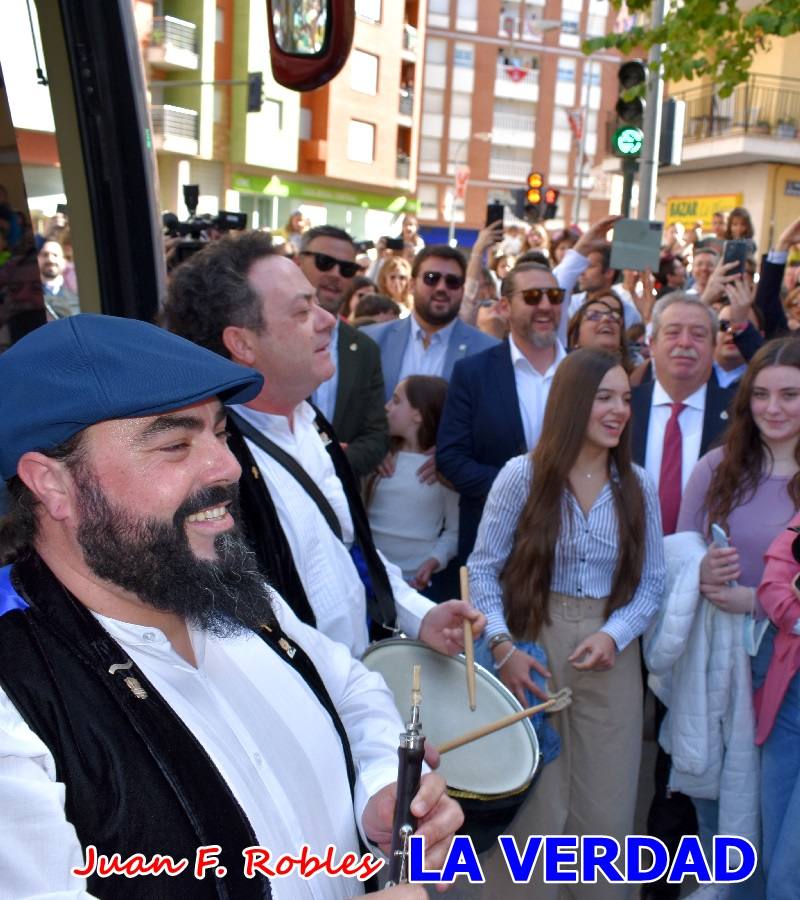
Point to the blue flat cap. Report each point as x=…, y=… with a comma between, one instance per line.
x=78, y=371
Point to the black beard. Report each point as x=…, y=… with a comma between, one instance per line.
x=432, y=318
x=154, y=561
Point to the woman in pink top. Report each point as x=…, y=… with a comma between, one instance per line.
x=778, y=711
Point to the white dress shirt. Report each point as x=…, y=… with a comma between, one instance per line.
x=417, y=360
x=690, y=422
x=263, y=729
x=324, y=397
x=533, y=388
x=726, y=377
x=323, y=562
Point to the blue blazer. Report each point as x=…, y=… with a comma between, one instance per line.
x=481, y=429
x=393, y=338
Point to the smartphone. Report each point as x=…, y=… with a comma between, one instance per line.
x=720, y=539
x=363, y=246
x=394, y=243
x=736, y=251
x=61, y=208
x=494, y=212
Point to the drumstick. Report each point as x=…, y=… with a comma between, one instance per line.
x=469, y=647
x=557, y=702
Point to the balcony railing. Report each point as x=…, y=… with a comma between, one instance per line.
x=410, y=38
x=762, y=105
x=511, y=122
x=173, y=43
x=406, y=102
x=516, y=74
x=175, y=128
x=508, y=169
x=403, y=171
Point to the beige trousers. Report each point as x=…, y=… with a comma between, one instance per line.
x=590, y=789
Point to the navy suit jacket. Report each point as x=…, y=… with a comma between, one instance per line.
x=481, y=429
x=715, y=418
x=393, y=338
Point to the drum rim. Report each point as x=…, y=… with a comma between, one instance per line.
x=498, y=685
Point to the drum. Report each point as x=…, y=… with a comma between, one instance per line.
x=490, y=777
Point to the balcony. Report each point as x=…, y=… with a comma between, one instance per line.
x=173, y=44
x=175, y=129
x=516, y=83
x=501, y=169
x=406, y=106
x=403, y=170
x=410, y=43
x=513, y=131
x=758, y=123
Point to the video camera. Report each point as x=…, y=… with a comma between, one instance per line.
x=196, y=231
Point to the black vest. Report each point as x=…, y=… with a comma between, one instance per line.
x=137, y=780
x=262, y=527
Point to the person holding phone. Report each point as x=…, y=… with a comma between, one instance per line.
x=750, y=488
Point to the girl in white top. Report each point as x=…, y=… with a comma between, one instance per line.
x=415, y=525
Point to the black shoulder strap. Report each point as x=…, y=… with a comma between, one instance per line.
x=292, y=467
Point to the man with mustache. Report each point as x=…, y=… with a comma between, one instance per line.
x=676, y=419
x=301, y=507
x=156, y=695
x=352, y=398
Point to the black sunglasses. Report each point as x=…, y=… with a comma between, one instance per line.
x=325, y=263
x=725, y=325
x=453, y=282
x=533, y=296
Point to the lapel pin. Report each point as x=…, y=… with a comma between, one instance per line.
x=287, y=648
x=723, y=415
x=462, y=348
x=132, y=683
x=354, y=347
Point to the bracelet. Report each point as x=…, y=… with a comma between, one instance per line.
x=500, y=638
x=497, y=666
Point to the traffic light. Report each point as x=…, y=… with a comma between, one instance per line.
x=551, y=196
x=255, y=91
x=628, y=137
x=630, y=108
x=533, y=196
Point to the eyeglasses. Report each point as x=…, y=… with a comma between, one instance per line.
x=599, y=315
x=452, y=282
x=533, y=296
x=325, y=263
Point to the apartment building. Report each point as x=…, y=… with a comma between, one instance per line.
x=506, y=91
x=741, y=150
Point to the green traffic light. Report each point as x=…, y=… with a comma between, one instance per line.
x=627, y=141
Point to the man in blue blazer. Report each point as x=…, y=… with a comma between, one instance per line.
x=495, y=403
x=432, y=339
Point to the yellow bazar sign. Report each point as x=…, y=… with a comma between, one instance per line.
x=700, y=208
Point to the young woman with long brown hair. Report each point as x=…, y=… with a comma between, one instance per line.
x=751, y=488
x=569, y=557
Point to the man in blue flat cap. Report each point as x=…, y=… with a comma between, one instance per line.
x=156, y=697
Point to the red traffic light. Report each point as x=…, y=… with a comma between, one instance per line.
x=551, y=195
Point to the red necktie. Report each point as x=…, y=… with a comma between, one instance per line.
x=669, y=482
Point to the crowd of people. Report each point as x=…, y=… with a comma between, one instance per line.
x=615, y=457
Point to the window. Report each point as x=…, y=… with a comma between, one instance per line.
x=566, y=69
x=570, y=23
x=467, y=15
x=364, y=72
x=430, y=155
x=439, y=13
x=464, y=56
x=369, y=10
x=361, y=141
x=436, y=51
x=596, y=25
x=428, y=196
x=433, y=101
x=460, y=104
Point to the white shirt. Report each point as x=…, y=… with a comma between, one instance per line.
x=241, y=695
x=533, y=388
x=726, y=377
x=412, y=522
x=690, y=422
x=324, y=396
x=417, y=360
x=323, y=562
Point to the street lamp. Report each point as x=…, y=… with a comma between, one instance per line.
x=484, y=136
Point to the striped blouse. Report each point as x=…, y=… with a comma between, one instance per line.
x=585, y=555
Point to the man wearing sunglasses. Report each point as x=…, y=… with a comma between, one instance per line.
x=432, y=339
x=495, y=404
x=352, y=398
